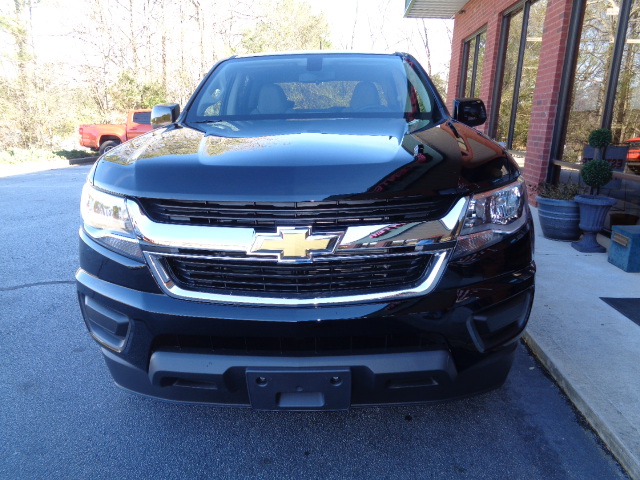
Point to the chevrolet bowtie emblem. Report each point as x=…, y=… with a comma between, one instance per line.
x=293, y=244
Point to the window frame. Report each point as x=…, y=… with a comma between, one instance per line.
x=559, y=135
x=466, y=58
x=146, y=120
x=523, y=6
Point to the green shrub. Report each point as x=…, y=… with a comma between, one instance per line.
x=596, y=173
x=600, y=138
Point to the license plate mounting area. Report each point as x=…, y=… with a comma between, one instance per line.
x=299, y=389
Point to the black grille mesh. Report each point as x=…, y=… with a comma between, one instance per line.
x=328, y=214
x=380, y=273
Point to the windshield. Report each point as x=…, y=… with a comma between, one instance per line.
x=315, y=86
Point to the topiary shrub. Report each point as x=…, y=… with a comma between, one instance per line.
x=600, y=139
x=596, y=173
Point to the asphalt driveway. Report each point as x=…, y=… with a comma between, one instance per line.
x=61, y=416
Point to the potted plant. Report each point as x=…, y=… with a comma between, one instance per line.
x=593, y=207
x=558, y=213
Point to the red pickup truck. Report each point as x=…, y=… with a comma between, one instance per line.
x=105, y=137
x=633, y=157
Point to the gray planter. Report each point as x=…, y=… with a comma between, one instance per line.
x=593, y=212
x=559, y=219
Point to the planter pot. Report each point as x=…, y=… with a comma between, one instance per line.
x=559, y=219
x=593, y=211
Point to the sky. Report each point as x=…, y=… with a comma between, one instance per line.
x=380, y=26
x=363, y=25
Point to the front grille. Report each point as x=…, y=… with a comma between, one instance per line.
x=232, y=276
x=301, y=346
x=327, y=214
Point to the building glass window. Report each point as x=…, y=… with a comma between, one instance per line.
x=521, y=58
x=509, y=75
x=626, y=111
x=591, y=75
x=473, y=61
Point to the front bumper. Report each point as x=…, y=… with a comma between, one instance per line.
x=456, y=341
x=400, y=378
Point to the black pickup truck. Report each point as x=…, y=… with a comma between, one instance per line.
x=313, y=231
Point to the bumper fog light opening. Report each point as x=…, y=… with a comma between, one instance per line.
x=108, y=327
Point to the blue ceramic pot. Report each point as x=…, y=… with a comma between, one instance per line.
x=559, y=218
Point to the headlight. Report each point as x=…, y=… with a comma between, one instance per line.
x=107, y=221
x=490, y=216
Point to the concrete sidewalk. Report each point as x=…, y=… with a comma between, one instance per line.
x=591, y=350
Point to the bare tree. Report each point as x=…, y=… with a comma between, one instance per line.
x=297, y=26
x=355, y=24
x=424, y=36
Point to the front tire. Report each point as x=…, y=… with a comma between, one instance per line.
x=108, y=145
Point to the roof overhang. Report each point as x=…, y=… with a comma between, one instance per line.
x=432, y=8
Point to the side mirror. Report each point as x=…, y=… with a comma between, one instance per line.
x=470, y=111
x=164, y=114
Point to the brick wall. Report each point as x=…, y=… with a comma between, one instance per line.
x=478, y=14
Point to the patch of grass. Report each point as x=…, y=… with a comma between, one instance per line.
x=14, y=156
x=19, y=155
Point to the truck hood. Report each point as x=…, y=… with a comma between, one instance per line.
x=306, y=161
